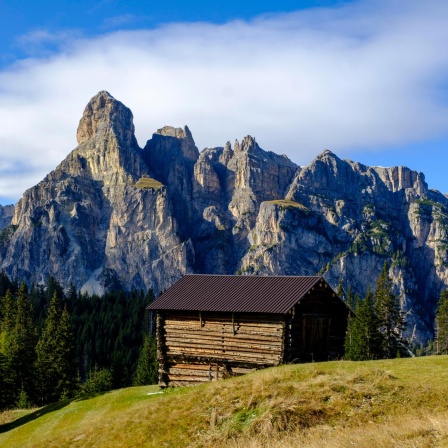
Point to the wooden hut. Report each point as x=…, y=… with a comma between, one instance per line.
x=214, y=326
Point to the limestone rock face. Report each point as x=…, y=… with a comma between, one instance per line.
x=88, y=224
x=344, y=220
x=114, y=215
x=6, y=214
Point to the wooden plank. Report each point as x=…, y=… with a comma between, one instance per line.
x=240, y=331
x=201, y=348
x=196, y=373
x=228, y=355
x=221, y=342
x=240, y=317
x=208, y=333
x=219, y=348
x=196, y=324
x=274, y=336
x=241, y=360
x=224, y=320
x=177, y=359
x=192, y=366
x=190, y=378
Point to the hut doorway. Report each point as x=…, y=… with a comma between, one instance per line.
x=316, y=337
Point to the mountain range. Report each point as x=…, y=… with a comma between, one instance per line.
x=114, y=215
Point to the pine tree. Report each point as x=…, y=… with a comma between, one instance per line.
x=351, y=298
x=46, y=367
x=387, y=308
x=9, y=311
x=8, y=319
x=6, y=384
x=351, y=343
x=66, y=358
x=56, y=353
x=340, y=291
x=5, y=283
x=147, y=366
x=20, y=345
x=364, y=339
x=441, y=323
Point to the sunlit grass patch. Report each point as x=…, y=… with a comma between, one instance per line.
x=288, y=204
x=148, y=182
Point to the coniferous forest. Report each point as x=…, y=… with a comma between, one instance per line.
x=57, y=344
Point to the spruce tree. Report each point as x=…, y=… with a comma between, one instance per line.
x=20, y=345
x=8, y=320
x=56, y=353
x=9, y=311
x=46, y=368
x=147, y=366
x=66, y=358
x=6, y=384
x=340, y=291
x=352, y=339
x=351, y=342
x=364, y=338
x=5, y=283
x=441, y=323
x=351, y=298
x=387, y=308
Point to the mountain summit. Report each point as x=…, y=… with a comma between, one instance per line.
x=115, y=215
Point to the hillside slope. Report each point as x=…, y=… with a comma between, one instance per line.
x=114, y=215
x=399, y=403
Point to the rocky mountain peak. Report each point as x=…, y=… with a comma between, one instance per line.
x=103, y=114
x=236, y=146
x=248, y=144
x=328, y=157
x=187, y=145
x=398, y=178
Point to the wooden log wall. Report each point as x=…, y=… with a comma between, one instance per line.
x=199, y=347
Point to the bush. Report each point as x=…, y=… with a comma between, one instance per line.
x=99, y=380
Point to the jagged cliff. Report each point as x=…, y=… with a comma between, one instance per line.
x=115, y=215
x=6, y=214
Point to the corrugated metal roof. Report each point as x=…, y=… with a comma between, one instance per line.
x=235, y=293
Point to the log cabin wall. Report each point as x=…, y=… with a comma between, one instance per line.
x=195, y=347
x=316, y=326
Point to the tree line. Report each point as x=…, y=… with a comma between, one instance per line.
x=375, y=329
x=56, y=345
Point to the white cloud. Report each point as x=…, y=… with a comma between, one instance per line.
x=367, y=75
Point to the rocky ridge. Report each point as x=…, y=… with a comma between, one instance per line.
x=6, y=214
x=115, y=215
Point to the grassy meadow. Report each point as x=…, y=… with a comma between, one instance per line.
x=389, y=403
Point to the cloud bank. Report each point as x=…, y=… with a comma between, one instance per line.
x=368, y=75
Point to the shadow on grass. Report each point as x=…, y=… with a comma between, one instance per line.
x=45, y=410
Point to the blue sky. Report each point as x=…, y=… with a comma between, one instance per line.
x=366, y=79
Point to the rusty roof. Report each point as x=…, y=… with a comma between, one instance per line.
x=235, y=293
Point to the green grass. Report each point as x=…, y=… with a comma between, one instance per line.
x=400, y=402
x=288, y=204
x=148, y=182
